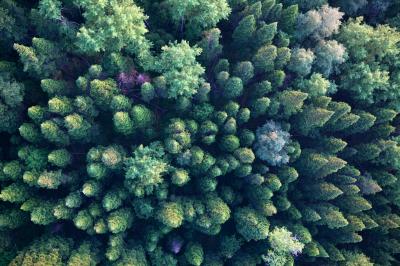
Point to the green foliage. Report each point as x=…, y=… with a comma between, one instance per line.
x=244, y=30
x=53, y=133
x=50, y=9
x=84, y=255
x=365, y=79
x=315, y=86
x=48, y=250
x=123, y=123
x=12, y=30
x=12, y=219
x=266, y=33
x=355, y=258
x=301, y=61
x=197, y=15
x=312, y=118
x=178, y=132
x=41, y=59
x=272, y=144
x=194, y=254
x=319, y=24
x=233, y=88
x=230, y=143
x=15, y=193
x=180, y=177
x=53, y=87
x=171, y=214
x=177, y=63
x=264, y=59
x=112, y=26
x=229, y=245
x=78, y=128
x=283, y=245
x=119, y=220
x=251, y=224
x=329, y=55
x=145, y=170
x=142, y=117
x=133, y=256
x=101, y=91
x=11, y=97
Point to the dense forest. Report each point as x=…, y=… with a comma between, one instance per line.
x=199, y=132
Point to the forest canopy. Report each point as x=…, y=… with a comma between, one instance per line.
x=188, y=132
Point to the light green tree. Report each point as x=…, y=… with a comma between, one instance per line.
x=197, y=15
x=177, y=64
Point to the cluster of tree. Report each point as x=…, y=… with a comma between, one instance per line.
x=214, y=132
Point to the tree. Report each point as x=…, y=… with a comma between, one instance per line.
x=229, y=245
x=288, y=18
x=291, y=101
x=283, y=245
x=132, y=256
x=78, y=128
x=272, y=144
x=101, y=91
x=177, y=63
x=265, y=34
x=199, y=15
x=311, y=118
x=194, y=254
x=11, y=97
x=244, y=70
x=145, y=169
x=14, y=193
x=12, y=12
x=210, y=46
x=112, y=26
x=329, y=56
x=323, y=191
x=171, y=214
x=48, y=250
x=233, y=88
x=318, y=165
x=60, y=158
x=230, y=143
x=364, y=79
x=42, y=59
x=120, y=220
x=331, y=216
x=301, y=61
x=85, y=255
x=307, y=4
x=54, y=87
x=53, y=133
x=315, y=86
x=50, y=9
x=251, y=224
x=180, y=177
x=319, y=24
x=352, y=7
x=264, y=58
x=244, y=30
x=123, y=123
x=355, y=259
